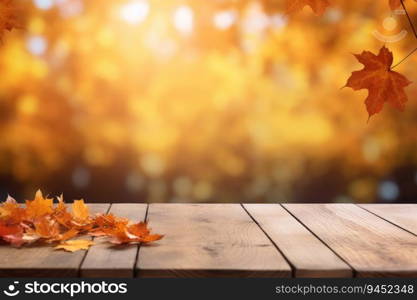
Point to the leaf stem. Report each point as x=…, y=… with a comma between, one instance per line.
x=414, y=32
x=409, y=19
x=401, y=61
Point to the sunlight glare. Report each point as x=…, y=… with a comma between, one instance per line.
x=184, y=19
x=43, y=4
x=134, y=12
x=36, y=45
x=224, y=19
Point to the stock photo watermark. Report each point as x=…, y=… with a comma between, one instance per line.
x=390, y=24
x=71, y=289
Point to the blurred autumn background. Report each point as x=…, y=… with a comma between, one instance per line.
x=202, y=101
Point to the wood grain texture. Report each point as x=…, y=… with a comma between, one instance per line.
x=208, y=240
x=104, y=260
x=369, y=244
x=43, y=260
x=307, y=254
x=402, y=215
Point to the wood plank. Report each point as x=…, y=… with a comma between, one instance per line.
x=208, y=240
x=104, y=260
x=43, y=260
x=307, y=254
x=402, y=215
x=369, y=244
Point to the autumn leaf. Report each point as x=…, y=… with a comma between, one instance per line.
x=106, y=224
x=47, y=228
x=11, y=234
x=11, y=210
x=8, y=16
x=318, y=6
x=40, y=221
x=75, y=245
x=40, y=206
x=80, y=210
x=69, y=234
x=382, y=83
x=61, y=215
x=8, y=230
x=135, y=233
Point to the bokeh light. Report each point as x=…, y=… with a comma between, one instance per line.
x=134, y=12
x=205, y=101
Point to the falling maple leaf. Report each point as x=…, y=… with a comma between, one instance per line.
x=75, y=245
x=382, y=83
x=318, y=6
x=9, y=17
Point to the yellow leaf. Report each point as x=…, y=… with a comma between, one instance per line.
x=75, y=245
x=40, y=206
x=80, y=210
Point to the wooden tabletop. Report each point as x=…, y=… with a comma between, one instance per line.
x=241, y=240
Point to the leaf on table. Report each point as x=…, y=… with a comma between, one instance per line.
x=80, y=211
x=39, y=206
x=106, y=224
x=12, y=211
x=75, y=245
x=61, y=215
x=135, y=233
x=318, y=6
x=383, y=84
x=41, y=221
x=69, y=234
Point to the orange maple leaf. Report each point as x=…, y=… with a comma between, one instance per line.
x=75, y=245
x=135, y=233
x=43, y=222
x=8, y=16
x=80, y=211
x=107, y=224
x=382, y=83
x=68, y=235
x=318, y=6
x=11, y=210
x=47, y=228
x=39, y=207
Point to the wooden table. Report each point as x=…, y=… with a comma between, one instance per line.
x=248, y=240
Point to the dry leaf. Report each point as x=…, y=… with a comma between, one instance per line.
x=40, y=221
x=383, y=84
x=39, y=207
x=80, y=210
x=75, y=245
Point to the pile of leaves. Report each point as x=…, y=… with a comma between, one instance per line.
x=42, y=221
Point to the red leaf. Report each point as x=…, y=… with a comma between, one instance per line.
x=382, y=83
